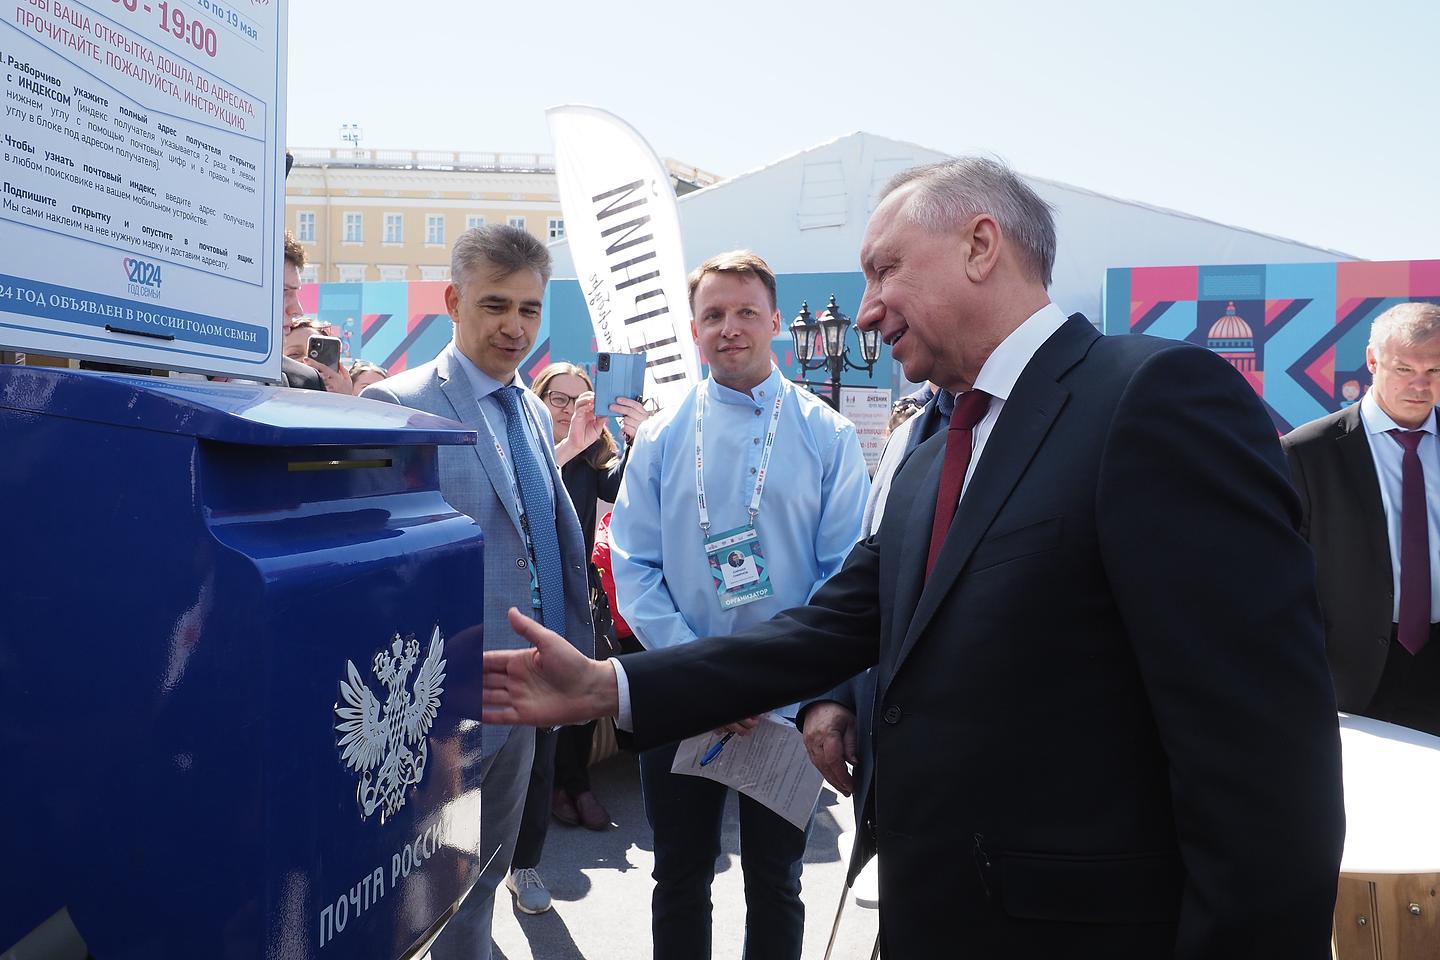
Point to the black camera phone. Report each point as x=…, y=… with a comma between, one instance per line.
x=324, y=351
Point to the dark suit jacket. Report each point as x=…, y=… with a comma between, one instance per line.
x=1343, y=517
x=298, y=375
x=586, y=485
x=1104, y=726
x=858, y=693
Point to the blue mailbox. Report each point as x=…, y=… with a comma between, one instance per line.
x=238, y=672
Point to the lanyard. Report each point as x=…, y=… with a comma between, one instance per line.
x=768, y=449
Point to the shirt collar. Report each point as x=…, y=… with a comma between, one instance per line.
x=723, y=394
x=1004, y=366
x=1378, y=421
x=481, y=383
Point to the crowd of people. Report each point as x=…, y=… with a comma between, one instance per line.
x=1019, y=646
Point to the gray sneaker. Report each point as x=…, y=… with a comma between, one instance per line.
x=529, y=890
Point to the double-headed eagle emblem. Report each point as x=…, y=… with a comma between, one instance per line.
x=390, y=736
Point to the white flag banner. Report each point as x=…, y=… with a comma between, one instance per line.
x=624, y=235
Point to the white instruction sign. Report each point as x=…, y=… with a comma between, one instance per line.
x=142, y=181
x=869, y=410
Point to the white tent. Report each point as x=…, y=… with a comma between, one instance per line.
x=806, y=213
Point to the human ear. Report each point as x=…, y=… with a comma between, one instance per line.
x=982, y=248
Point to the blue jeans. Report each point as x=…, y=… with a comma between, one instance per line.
x=685, y=814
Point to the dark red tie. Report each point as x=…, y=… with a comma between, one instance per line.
x=969, y=409
x=1414, y=626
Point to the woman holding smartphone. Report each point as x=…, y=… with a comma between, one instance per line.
x=591, y=467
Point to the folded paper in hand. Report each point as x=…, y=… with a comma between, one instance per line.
x=769, y=765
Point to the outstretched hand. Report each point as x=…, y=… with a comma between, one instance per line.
x=547, y=685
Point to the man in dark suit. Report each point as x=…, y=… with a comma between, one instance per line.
x=1350, y=471
x=1103, y=724
x=837, y=724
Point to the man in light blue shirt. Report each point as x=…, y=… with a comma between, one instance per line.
x=737, y=503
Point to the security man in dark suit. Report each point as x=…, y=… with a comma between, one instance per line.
x=1369, y=483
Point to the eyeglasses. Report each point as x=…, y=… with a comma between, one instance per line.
x=557, y=400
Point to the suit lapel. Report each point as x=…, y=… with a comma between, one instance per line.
x=1024, y=421
x=456, y=387
x=929, y=459
x=1354, y=446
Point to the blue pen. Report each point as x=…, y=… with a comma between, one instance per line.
x=714, y=751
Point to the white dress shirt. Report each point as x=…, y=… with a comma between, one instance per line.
x=1000, y=372
x=1389, y=458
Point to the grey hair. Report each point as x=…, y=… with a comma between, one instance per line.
x=508, y=249
x=1408, y=324
x=950, y=192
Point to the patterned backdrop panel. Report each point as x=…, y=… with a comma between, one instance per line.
x=1296, y=331
x=402, y=325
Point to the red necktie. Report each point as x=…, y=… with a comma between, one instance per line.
x=969, y=409
x=1414, y=626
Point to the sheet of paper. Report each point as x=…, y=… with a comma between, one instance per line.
x=769, y=765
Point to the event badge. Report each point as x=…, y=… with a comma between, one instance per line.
x=738, y=567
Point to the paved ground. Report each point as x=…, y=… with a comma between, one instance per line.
x=601, y=885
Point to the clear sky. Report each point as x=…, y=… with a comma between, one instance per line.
x=1316, y=121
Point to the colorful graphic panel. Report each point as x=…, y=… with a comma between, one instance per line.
x=1296, y=331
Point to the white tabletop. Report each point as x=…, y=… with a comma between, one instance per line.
x=1392, y=780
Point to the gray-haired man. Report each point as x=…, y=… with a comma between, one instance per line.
x=534, y=553
x=1103, y=725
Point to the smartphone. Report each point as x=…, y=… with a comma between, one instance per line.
x=618, y=375
x=324, y=350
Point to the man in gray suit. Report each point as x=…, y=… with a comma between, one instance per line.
x=534, y=553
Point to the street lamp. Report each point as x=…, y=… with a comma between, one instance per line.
x=831, y=326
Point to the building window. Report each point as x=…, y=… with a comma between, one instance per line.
x=305, y=226
x=351, y=272
x=392, y=273
x=473, y=221
x=555, y=227
x=354, y=227
x=311, y=274
x=394, y=228
x=435, y=229
x=518, y=222
x=434, y=273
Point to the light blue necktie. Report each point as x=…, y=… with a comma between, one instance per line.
x=539, y=513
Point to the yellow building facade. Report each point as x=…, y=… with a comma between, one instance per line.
x=393, y=215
